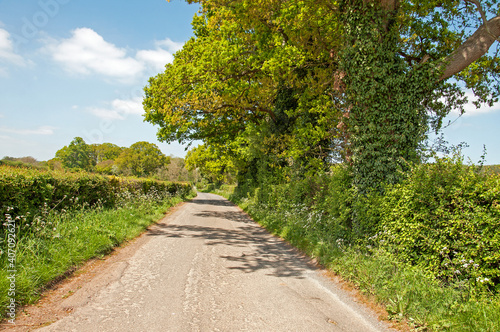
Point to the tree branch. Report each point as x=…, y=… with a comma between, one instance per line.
x=472, y=49
x=409, y=58
x=479, y=9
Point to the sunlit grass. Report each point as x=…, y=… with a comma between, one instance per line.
x=407, y=293
x=59, y=241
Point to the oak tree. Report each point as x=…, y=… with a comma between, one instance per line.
x=141, y=159
x=366, y=76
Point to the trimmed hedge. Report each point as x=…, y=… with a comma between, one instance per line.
x=29, y=192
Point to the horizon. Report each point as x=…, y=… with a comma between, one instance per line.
x=72, y=69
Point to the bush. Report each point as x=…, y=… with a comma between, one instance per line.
x=28, y=193
x=445, y=218
x=428, y=248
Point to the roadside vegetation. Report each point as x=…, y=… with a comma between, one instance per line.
x=53, y=221
x=320, y=112
x=428, y=249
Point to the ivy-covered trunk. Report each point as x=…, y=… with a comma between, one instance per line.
x=386, y=120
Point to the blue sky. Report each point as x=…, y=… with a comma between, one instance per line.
x=77, y=68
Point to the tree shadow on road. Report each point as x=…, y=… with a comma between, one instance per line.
x=215, y=202
x=252, y=247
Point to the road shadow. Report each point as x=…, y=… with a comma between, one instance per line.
x=213, y=202
x=257, y=250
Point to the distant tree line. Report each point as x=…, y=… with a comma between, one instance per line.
x=141, y=159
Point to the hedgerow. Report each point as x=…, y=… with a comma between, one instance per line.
x=52, y=222
x=428, y=248
x=28, y=192
x=445, y=218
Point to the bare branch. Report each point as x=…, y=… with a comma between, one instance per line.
x=409, y=58
x=483, y=15
x=425, y=59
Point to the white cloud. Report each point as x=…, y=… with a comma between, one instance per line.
x=156, y=58
x=7, y=53
x=163, y=54
x=86, y=52
x=471, y=110
x=42, y=130
x=131, y=106
x=170, y=45
x=119, y=109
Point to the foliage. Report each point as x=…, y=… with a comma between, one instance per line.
x=55, y=164
x=444, y=218
x=212, y=165
x=26, y=191
x=177, y=171
x=240, y=75
x=76, y=155
x=103, y=152
x=29, y=192
x=386, y=119
x=493, y=169
x=141, y=159
x=404, y=247
x=105, y=167
x=309, y=81
x=27, y=162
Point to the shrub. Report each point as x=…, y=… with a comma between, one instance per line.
x=445, y=218
x=27, y=193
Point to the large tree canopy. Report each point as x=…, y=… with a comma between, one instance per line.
x=305, y=79
x=141, y=159
x=76, y=155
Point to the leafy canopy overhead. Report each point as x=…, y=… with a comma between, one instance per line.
x=363, y=78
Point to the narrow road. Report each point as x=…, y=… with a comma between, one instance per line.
x=209, y=267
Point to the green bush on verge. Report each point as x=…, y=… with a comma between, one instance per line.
x=428, y=248
x=445, y=218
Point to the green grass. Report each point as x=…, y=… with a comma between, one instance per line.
x=62, y=241
x=408, y=294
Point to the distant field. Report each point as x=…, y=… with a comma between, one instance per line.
x=492, y=168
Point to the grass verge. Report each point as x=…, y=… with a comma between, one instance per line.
x=408, y=293
x=60, y=241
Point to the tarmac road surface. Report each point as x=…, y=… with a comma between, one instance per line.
x=209, y=267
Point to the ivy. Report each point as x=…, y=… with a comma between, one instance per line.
x=387, y=119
